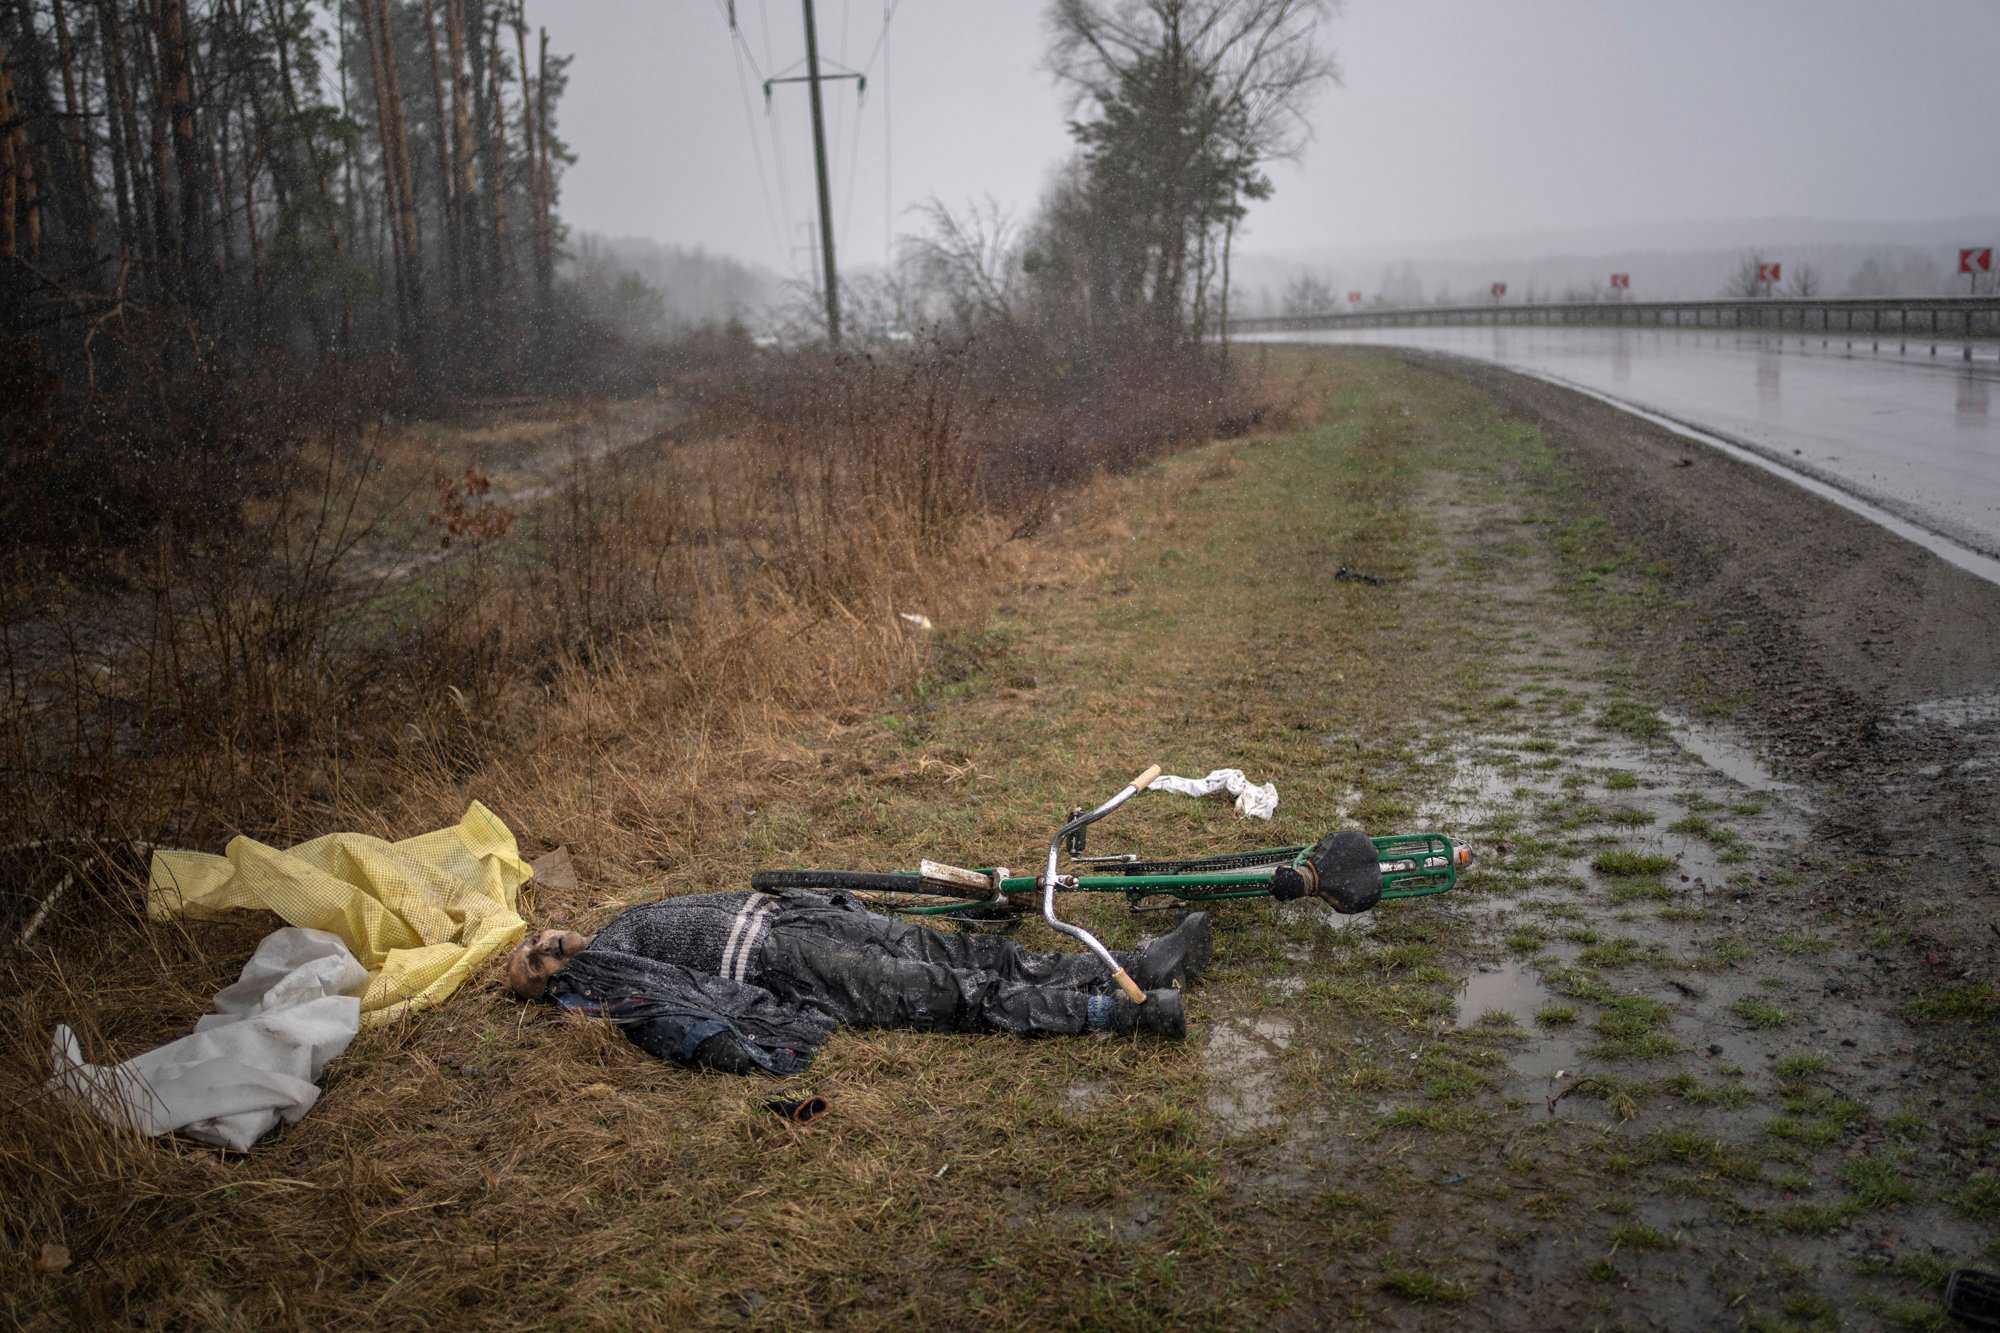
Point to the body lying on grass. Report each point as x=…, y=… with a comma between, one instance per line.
x=758, y=981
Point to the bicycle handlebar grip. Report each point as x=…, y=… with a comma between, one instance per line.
x=1129, y=986
x=1145, y=780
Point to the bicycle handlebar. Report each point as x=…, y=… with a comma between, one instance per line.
x=1050, y=881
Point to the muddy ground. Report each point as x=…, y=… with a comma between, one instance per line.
x=1801, y=712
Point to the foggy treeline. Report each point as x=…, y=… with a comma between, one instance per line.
x=209, y=208
x=1828, y=270
x=278, y=172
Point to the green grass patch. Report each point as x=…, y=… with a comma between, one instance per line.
x=1555, y=1015
x=1617, y=779
x=1980, y=1198
x=1632, y=718
x=1957, y=1004
x=1813, y=1118
x=1623, y=891
x=1815, y=1219
x=1623, y=863
x=1612, y=953
x=1879, y=1180
x=1424, y=1288
x=1795, y=1065
x=1760, y=1013
x=1639, y=1236
x=1633, y=1027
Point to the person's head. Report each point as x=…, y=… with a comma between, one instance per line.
x=540, y=957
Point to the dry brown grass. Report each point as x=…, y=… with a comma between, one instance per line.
x=665, y=635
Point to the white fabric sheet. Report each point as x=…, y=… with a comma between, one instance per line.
x=1252, y=800
x=248, y=1065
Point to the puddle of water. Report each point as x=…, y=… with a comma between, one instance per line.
x=1512, y=988
x=1508, y=988
x=1966, y=712
x=1726, y=756
x=1242, y=1056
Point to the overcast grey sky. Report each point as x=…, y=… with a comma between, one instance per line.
x=1455, y=118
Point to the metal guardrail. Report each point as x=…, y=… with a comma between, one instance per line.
x=1895, y=317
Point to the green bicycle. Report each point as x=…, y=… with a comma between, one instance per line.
x=1348, y=869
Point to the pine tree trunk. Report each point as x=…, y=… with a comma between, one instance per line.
x=461, y=137
x=129, y=80
x=406, y=194
x=1222, y=315
x=177, y=102
x=330, y=214
x=79, y=123
x=496, y=165
x=545, y=232
x=528, y=149
x=17, y=175
x=116, y=109
x=386, y=137
x=216, y=143
x=447, y=198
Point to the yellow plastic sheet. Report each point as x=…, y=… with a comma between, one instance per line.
x=422, y=914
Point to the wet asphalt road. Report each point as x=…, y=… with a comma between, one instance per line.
x=1891, y=426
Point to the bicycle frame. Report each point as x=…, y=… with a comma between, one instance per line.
x=1414, y=865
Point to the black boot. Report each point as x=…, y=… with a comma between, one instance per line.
x=1176, y=959
x=1160, y=1016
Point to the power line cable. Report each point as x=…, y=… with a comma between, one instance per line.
x=739, y=51
x=888, y=199
x=777, y=148
x=889, y=8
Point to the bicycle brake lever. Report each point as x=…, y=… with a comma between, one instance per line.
x=1076, y=839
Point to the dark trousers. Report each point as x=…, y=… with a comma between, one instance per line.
x=881, y=971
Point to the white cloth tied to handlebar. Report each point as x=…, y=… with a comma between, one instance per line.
x=1252, y=800
x=247, y=1066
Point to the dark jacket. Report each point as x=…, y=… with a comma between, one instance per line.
x=703, y=1022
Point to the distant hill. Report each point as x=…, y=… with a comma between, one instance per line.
x=1667, y=261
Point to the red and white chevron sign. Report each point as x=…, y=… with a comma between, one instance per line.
x=1622, y=281
x=1354, y=298
x=1976, y=261
x=1770, y=272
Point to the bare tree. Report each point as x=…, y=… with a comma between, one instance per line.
x=1190, y=96
x=1806, y=282
x=1261, y=56
x=968, y=262
x=1747, y=282
x=1311, y=294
